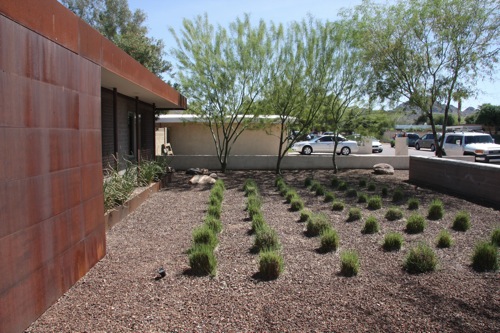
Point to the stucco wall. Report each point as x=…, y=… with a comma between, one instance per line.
x=196, y=139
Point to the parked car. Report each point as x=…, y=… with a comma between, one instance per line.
x=325, y=144
x=480, y=145
x=427, y=141
x=412, y=139
x=377, y=146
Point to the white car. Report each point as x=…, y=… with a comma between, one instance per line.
x=325, y=144
x=377, y=146
x=480, y=145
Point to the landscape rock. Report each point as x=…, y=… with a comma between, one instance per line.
x=214, y=175
x=196, y=171
x=383, y=169
x=201, y=179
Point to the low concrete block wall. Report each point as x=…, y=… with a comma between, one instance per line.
x=476, y=181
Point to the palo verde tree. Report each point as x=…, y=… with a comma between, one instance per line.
x=425, y=51
x=222, y=72
x=115, y=21
x=297, y=85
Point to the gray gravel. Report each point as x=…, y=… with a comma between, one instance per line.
x=121, y=294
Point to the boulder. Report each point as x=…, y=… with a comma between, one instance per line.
x=383, y=169
x=214, y=175
x=201, y=179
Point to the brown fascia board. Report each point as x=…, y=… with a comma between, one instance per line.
x=52, y=20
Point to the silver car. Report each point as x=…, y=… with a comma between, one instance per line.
x=325, y=144
x=426, y=141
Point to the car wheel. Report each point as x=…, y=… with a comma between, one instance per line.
x=345, y=151
x=307, y=150
x=433, y=148
x=417, y=146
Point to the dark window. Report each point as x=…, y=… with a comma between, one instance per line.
x=326, y=139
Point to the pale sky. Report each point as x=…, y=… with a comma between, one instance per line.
x=162, y=14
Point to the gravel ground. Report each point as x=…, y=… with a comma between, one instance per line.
x=121, y=294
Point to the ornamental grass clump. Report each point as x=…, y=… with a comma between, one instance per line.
x=413, y=204
x=362, y=182
x=335, y=182
x=342, y=186
x=253, y=205
x=385, y=191
x=495, y=237
x=320, y=190
x=420, y=259
x=371, y=187
x=444, y=239
x=204, y=235
x=461, y=221
x=315, y=185
x=250, y=187
x=308, y=182
x=329, y=240
x=398, y=195
x=349, y=263
x=436, y=210
x=305, y=215
x=290, y=195
x=351, y=193
x=329, y=197
x=362, y=198
x=215, y=210
x=485, y=257
x=393, y=241
x=338, y=205
x=375, y=202
x=270, y=264
x=258, y=223
x=354, y=214
x=393, y=214
x=266, y=239
x=371, y=226
x=415, y=224
x=202, y=260
x=213, y=223
x=317, y=224
x=296, y=205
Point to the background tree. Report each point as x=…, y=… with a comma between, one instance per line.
x=489, y=115
x=115, y=21
x=426, y=51
x=222, y=72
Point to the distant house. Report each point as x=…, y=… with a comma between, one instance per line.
x=70, y=100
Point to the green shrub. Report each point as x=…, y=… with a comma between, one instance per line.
x=436, y=210
x=279, y=181
x=253, y=206
x=461, y=221
x=349, y=263
x=270, y=264
x=305, y=215
x=337, y=205
x=250, y=187
x=375, y=202
x=317, y=224
x=444, y=239
x=351, y=193
x=393, y=241
x=362, y=198
x=290, y=195
x=398, y=195
x=213, y=223
x=148, y=172
x=385, y=191
x=495, y=237
x=354, y=214
x=415, y=224
x=118, y=187
x=335, y=182
x=202, y=260
x=329, y=240
x=420, y=259
x=362, y=182
x=308, y=182
x=342, y=186
x=393, y=214
x=219, y=184
x=371, y=187
x=214, y=210
x=283, y=189
x=413, y=204
x=296, y=205
x=258, y=222
x=266, y=239
x=320, y=190
x=329, y=197
x=315, y=185
x=371, y=225
x=485, y=257
x=217, y=192
x=214, y=200
x=204, y=235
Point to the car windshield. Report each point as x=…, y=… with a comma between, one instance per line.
x=478, y=139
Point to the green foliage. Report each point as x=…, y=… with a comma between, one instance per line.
x=415, y=224
x=371, y=187
x=117, y=188
x=420, y=259
x=488, y=115
x=495, y=237
x=444, y=239
x=215, y=210
x=305, y=215
x=385, y=191
x=149, y=172
x=349, y=263
x=317, y=224
x=338, y=205
x=362, y=197
x=439, y=120
x=342, y=186
x=485, y=257
x=393, y=214
x=329, y=240
x=398, y=195
x=352, y=193
x=204, y=235
x=320, y=190
x=213, y=223
x=335, y=182
x=354, y=214
x=290, y=195
x=393, y=241
x=375, y=202
x=362, y=182
x=253, y=206
x=266, y=239
x=258, y=223
x=413, y=204
x=329, y=197
x=371, y=225
x=436, y=210
x=250, y=187
x=202, y=260
x=308, y=182
x=296, y=205
x=461, y=221
x=315, y=185
x=270, y=264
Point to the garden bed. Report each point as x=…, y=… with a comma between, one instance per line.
x=122, y=292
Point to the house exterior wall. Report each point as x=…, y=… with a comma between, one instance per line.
x=196, y=139
x=52, y=227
